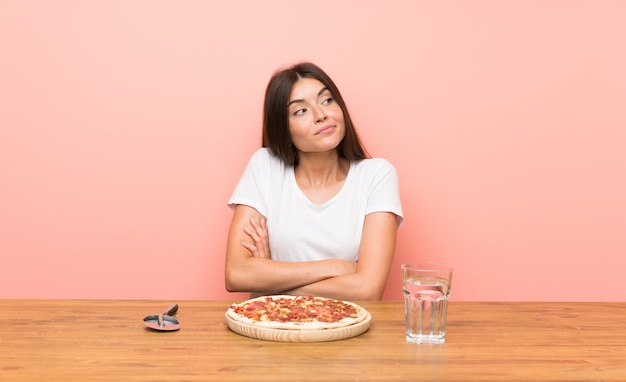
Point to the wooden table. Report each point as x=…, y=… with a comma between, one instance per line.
x=106, y=340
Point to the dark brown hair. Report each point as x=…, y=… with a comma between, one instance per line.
x=276, y=135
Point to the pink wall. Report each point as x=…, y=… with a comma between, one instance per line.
x=126, y=124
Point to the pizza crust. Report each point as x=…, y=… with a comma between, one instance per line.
x=361, y=314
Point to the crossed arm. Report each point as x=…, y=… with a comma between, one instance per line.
x=249, y=267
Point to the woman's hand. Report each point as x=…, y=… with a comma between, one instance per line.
x=257, y=231
x=250, y=268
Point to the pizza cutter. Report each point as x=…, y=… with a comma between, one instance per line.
x=163, y=321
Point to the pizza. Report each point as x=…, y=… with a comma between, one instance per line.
x=296, y=313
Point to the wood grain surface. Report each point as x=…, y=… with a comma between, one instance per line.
x=101, y=340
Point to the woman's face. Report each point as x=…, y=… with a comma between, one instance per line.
x=316, y=120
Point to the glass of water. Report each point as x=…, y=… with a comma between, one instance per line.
x=426, y=288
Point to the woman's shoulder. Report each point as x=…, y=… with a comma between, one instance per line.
x=375, y=164
x=262, y=153
x=263, y=161
x=264, y=156
x=374, y=170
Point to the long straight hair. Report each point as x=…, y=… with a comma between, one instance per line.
x=276, y=134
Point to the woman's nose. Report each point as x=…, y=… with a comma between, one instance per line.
x=320, y=115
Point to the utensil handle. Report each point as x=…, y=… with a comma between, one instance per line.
x=171, y=310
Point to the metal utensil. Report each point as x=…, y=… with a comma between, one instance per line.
x=163, y=321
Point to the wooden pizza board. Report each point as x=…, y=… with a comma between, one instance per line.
x=298, y=335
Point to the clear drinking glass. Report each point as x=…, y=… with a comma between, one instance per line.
x=426, y=288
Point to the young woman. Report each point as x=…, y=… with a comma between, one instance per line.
x=313, y=214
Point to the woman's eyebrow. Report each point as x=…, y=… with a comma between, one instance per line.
x=302, y=100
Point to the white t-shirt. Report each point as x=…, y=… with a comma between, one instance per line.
x=300, y=230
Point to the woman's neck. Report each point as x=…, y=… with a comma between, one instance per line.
x=321, y=175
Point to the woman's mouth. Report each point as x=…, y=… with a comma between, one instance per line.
x=325, y=130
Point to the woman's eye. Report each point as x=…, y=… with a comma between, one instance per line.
x=328, y=101
x=299, y=112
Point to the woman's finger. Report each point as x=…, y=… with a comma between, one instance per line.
x=258, y=232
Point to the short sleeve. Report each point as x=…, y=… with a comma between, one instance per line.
x=251, y=190
x=384, y=192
